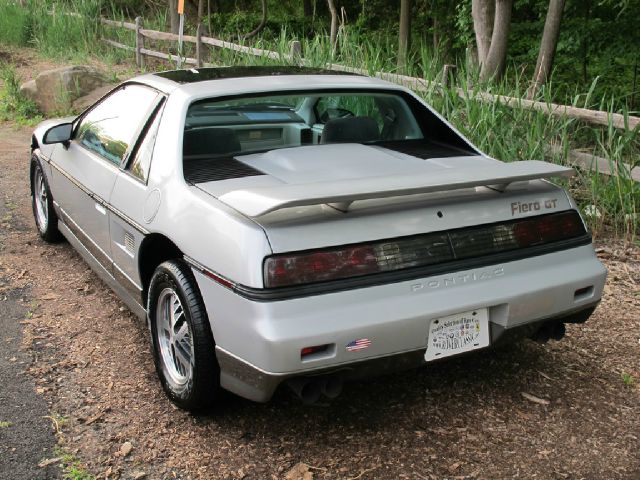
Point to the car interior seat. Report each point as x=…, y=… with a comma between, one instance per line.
x=350, y=130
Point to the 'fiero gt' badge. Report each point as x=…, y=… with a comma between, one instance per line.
x=535, y=206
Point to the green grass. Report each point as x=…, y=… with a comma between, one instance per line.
x=72, y=467
x=54, y=35
x=14, y=105
x=627, y=379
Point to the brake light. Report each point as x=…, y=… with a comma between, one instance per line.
x=320, y=266
x=419, y=250
x=548, y=229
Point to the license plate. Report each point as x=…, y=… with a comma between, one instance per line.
x=458, y=333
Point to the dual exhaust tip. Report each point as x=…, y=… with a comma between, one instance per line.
x=550, y=331
x=309, y=390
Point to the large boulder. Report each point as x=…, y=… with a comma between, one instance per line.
x=92, y=97
x=56, y=90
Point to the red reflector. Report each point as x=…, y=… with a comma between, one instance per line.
x=311, y=350
x=217, y=278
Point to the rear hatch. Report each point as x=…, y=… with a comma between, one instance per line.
x=376, y=193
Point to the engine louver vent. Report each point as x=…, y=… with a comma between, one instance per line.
x=129, y=242
x=203, y=170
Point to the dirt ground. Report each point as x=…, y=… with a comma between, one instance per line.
x=466, y=418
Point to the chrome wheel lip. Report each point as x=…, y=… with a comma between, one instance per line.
x=41, y=201
x=174, y=338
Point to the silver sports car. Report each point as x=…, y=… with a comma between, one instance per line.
x=299, y=226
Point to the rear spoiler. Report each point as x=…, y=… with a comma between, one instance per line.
x=258, y=201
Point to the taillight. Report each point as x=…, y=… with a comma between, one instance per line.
x=548, y=228
x=320, y=266
x=419, y=250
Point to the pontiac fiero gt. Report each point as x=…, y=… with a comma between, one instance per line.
x=292, y=225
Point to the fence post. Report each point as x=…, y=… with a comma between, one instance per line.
x=296, y=52
x=139, y=43
x=199, y=46
x=447, y=73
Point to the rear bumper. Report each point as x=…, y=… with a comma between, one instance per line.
x=259, y=343
x=258, y=385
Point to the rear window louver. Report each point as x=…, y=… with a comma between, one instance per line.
x=212, y=169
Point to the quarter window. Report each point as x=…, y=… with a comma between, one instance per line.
x=110, y=127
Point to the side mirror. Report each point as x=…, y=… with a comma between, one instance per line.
x=58, y=134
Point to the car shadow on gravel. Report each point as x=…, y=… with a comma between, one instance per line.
x=498, y=373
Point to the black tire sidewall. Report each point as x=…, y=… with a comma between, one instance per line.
x=50, y=234
x=200, y=391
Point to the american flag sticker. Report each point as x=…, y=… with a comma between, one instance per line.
x=359, y=344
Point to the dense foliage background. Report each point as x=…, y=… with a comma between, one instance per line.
x=599, y=39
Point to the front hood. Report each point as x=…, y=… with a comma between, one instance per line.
x=306, y=226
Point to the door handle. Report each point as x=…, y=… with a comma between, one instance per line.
x=101, y=209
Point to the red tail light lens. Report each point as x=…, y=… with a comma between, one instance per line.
x=320, y=266
x=420, y=250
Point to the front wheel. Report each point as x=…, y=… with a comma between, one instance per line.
x=42, y=206
x=183, y=346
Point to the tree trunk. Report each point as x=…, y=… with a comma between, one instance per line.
x=434, y=36
x=200, y=11
x=334, y=24
x=495, y=61
x=307, y=8
x=263, y=22
x=483, y=12
x=173, y=16
x=404, y=39
x=584, y=47
x=547, y=46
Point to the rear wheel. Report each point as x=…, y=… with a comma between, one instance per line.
x=42, y=205
x=183, y=346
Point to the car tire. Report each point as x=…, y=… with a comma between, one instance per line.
x=183, y=346
x=42, y=205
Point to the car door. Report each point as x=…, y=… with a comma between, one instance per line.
x=86, y=169
x=136, y=204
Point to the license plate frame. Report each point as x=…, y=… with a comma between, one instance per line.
x=457, y=333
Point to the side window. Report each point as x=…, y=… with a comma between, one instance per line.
x=110, y=127
x=142, y=160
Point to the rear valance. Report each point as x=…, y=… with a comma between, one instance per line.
x=258, y=201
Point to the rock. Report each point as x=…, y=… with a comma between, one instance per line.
x=139, y=475
x=29, y=89
x=300, y=471
x=55, y=90
x=534, y=399
x=84, y=102
x=49, y=461
x=126, y=448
